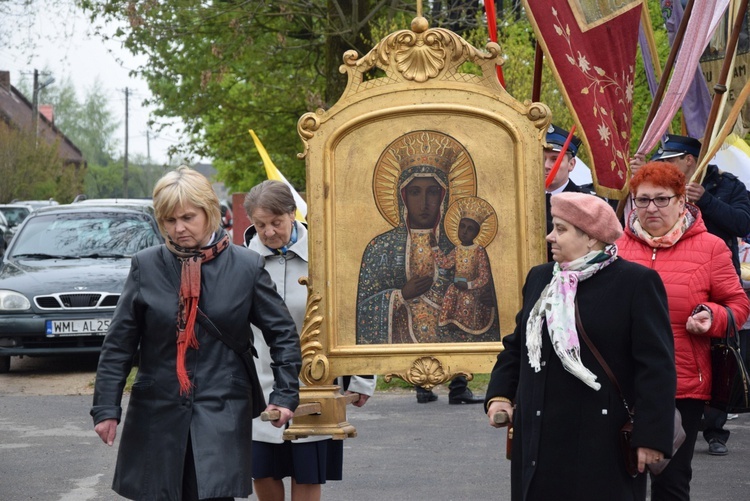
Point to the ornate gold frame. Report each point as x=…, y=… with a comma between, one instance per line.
x=411, y=81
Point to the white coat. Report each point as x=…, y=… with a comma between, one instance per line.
x=286, y=271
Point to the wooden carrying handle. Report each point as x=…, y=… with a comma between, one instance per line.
x=305, y=409
x=501, y=418
x=302, y=410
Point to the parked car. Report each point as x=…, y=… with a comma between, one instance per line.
x=115, y=201
x=36, y=204
x=62, y=275
x=14, y=215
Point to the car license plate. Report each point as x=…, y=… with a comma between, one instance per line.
x=88, y=327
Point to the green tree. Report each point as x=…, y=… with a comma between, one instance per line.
x=89, y=123
x=34, y=171
x=104, y=182
x=224, y=67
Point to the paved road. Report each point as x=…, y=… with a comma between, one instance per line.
x=404, y=450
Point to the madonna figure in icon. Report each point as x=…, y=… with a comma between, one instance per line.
x=401, y=285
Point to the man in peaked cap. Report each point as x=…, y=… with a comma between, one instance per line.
x=725, y=206
x=556, y=137
x=678, y=146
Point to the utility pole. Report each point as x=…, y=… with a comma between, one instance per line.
x=35, y=106
x=148, y=146
x=38, y=86
x=125, y=166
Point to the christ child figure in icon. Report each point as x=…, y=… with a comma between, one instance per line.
x=465, y=304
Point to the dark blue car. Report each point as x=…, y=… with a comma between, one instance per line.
x=62, y=275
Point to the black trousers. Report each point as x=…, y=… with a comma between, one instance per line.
x=456, y=387
x=190, y=479
x=673, y=484
x=714, y=421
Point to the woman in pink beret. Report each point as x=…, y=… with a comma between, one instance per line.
x=565, y=411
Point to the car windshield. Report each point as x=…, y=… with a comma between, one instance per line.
x=76, y=235
x=14, y=215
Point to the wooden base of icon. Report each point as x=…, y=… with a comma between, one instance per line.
x=330, y=418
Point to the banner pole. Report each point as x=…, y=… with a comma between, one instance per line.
x=536, y=89
x=679, y=36
x=721, y=87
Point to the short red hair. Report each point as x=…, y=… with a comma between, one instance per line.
x=662, y=174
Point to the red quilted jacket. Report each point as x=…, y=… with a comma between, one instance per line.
x=696, y=270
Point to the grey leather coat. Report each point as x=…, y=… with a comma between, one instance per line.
x=235, y=291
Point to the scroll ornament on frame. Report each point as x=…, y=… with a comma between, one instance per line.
x=315, y=365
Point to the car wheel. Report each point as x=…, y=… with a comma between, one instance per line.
x=4, y=365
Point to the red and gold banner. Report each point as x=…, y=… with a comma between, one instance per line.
x=590, y=46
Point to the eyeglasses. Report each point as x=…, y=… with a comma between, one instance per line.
x=643, y=202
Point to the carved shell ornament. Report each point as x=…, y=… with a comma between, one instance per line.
x=423, y=53
x=421, y=58
x=418, y=55
x=427, y=372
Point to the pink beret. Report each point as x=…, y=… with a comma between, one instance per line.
x=589, y=213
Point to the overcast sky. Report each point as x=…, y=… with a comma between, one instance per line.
x=66, y=45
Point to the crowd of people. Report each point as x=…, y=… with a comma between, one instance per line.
x=681, y=240
x=617, y=326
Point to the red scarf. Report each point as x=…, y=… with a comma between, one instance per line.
x=190, y=291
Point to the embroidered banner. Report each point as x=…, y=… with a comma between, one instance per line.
x=703, y=20
x=697, y=103
x=590, y=46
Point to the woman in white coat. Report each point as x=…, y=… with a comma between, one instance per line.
x=282, y=241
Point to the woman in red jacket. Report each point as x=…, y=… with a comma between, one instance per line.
x=667, y=234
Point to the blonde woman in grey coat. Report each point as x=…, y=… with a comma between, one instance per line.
x=187, y=431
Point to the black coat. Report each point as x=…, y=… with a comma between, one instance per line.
x=235, y=291
x=725, y=207
x=565, y=445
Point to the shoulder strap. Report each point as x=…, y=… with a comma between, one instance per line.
x=599, y=358
x=732, y=337
x=205, y=322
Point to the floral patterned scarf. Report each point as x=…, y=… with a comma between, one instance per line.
x=190, y=291
x=670, y=238
x=556, y=306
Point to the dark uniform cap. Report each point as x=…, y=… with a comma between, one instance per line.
x=675, y=146
x=556, y=137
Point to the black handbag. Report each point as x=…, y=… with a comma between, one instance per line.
x=730, y=391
